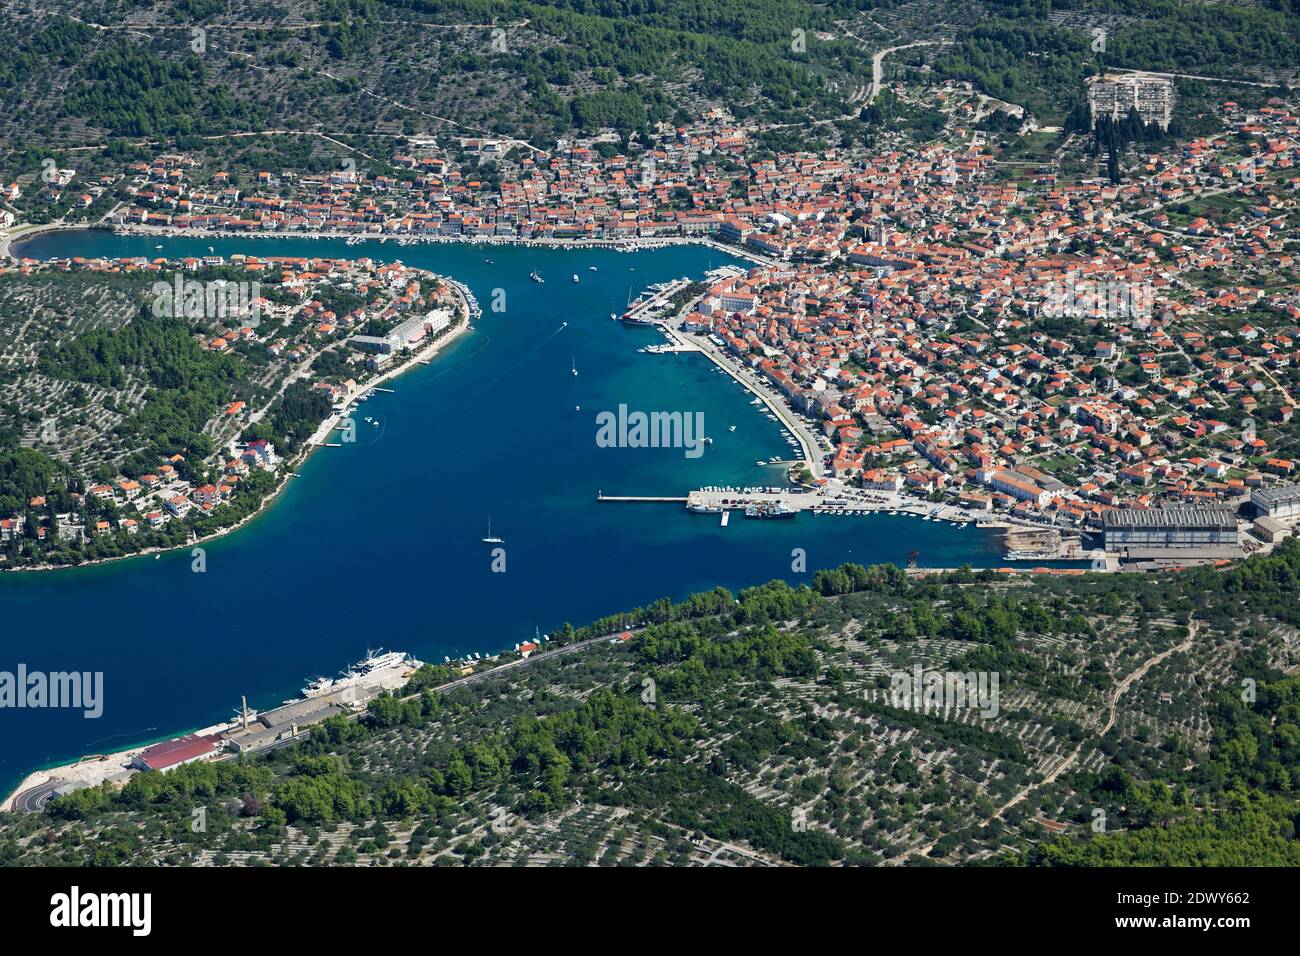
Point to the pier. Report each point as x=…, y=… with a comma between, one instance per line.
x=648, y=311
x=670, y=347
x=635, y=499
x=842, y=502
x=250, y=731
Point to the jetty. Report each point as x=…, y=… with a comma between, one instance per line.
x=669, y=347
x=829, y=501
x=649, y=310
x=642, y=499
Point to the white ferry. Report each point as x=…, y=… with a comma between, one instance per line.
x=319, y=686
x=378, y=660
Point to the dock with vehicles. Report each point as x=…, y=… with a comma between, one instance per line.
x=766, y=502
x=669, y=347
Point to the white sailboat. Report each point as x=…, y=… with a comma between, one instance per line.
x=492, y=539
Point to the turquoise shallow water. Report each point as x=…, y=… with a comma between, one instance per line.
x=378, y=543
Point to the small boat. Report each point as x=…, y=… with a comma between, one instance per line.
x=613, y=317
x=492, y=539
x=731, y=428
x=591, y=268
x=573, y=365
x=535, y=277
x=575, y=277
x=490, y=262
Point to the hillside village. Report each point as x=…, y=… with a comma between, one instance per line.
x=1047, y=347
x=1004, y=335
x=314, y=329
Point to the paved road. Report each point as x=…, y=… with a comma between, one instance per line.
x=878, y=63
x=33, y=800
x=532, y=659
x=809, y=449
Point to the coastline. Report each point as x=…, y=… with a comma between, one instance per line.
x=116, y=766
x=631, y=244
x=47, y=775
x=27, y=232
x=449, y=336
x=807, y=444
x=330, y=423
x=424, y=356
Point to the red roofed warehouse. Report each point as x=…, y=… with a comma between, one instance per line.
x=173, y=753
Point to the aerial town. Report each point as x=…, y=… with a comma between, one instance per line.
x=995, y=304
x=1048, y=351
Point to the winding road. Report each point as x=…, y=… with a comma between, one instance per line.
x=878, y=63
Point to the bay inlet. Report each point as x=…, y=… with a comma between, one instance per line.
x=379, y=543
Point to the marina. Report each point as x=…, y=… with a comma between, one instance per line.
x=652, y=306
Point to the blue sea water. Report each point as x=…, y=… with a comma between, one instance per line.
x=379, y=543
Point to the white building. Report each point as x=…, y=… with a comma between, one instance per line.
x=1278, y=502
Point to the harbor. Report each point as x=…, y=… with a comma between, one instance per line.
x=655, y=310
x=1020, y=542
x=249, y=731
x=305, y=570
x=652, y=306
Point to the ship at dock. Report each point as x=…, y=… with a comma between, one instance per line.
x=1031, y=556
x=375, y=660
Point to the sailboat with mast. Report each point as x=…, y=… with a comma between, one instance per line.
x=491, y=538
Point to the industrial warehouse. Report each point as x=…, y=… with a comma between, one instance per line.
x=1181, y=535
x=1279, y=502
x=249, y=732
